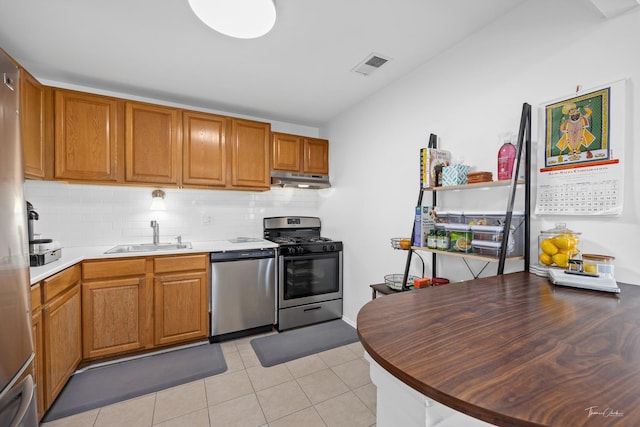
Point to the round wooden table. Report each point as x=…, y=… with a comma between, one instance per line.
x=513, y=350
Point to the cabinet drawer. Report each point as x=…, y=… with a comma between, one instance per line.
x=57, y=283
x=180, y=263
x=113, y=268
x=36, y=297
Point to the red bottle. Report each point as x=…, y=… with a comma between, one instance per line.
x=506, y=158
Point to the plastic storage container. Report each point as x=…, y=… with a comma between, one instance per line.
x=492, y=217
x=492, y=248
x=459, y=237
x=487, y=248
x=558, y=245
x=441, y=217
x=488, y=231
x=455, y=217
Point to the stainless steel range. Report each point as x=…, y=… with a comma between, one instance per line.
x=309, y=271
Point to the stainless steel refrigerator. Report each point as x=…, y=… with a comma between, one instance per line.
x=17, y=391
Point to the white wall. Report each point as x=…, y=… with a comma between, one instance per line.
x=467, y=96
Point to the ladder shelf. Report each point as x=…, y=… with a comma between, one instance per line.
x=523, y=145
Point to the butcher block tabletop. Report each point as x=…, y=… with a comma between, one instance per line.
x=514, y=350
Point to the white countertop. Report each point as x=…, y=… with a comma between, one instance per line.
x=71, y=256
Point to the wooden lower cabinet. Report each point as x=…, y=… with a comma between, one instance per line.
x=38, y=346
x=62, y=330
x=133, y=304
x=181, y=298
x=115, y=307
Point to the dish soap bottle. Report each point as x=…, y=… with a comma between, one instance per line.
x=506, y=158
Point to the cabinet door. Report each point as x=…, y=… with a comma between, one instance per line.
x=86, y=139
x=62, y=338
x=38, y=362
x=316, y=156
x=151, y=143
x=286, y=152
x=250, y=154
x=38, y=346
x=114, y=316
x=181, y=307
x=32, y=117
x=204, y=158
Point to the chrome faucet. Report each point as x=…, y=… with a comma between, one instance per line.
x=156, y=232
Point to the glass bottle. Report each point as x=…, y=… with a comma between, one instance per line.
x=443, y=240
x=432, y=239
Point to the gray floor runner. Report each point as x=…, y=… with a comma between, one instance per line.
x=289, y=345
x=105, y=385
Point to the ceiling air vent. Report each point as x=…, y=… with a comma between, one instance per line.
x=370, y=64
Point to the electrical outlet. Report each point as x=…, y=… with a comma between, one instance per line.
x=206, y=219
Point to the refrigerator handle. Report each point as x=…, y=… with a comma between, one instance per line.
x=7, y=81
x=24, y=415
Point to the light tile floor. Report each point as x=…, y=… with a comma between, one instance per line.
x=331, y=388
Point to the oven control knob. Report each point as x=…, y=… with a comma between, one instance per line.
x=300, y=250
x=324, y=248
x=332, y=248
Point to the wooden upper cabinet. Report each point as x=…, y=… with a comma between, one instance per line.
x=87, y=136
x=316, y=156
x=293, y=153
x=286, y=152
x=152, y=143
x=250, y=154
x=204, y=155
x=33, y=118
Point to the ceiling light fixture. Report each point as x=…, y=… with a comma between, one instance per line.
x=243, y=19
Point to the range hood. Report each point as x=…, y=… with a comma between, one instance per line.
x=299, y=180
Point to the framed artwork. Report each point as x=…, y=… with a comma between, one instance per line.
x=577, y=130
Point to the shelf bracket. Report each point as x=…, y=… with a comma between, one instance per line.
x=475, y=276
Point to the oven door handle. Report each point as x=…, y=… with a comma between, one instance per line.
x=310, y=256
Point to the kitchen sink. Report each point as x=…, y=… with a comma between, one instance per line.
x=148, y=247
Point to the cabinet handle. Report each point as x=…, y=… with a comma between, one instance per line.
x=312, y=308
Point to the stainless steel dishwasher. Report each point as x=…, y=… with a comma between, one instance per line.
x=243, y=293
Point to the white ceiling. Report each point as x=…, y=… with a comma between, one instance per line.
x=300, y=72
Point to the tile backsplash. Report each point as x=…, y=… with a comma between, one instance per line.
x=97, y=215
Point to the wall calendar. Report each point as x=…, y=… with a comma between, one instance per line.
x=581, y=161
